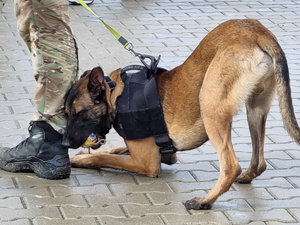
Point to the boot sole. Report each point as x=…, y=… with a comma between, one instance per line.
x=51, y=170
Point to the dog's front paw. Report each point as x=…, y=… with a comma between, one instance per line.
x=197, y=203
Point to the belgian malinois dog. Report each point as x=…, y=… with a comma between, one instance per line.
x=239, y=62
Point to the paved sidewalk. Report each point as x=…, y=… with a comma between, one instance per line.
x=172, y=28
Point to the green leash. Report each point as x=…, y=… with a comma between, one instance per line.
x=127, y=45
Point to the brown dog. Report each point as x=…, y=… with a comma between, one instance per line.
x=239, y=62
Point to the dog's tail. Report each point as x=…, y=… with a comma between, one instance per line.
x=270, y=45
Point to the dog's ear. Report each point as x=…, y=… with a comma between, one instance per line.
x=84, y=74
x=96, y=85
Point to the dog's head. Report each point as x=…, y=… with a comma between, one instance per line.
x=90, y=107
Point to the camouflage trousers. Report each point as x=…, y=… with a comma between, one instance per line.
x=44, y=25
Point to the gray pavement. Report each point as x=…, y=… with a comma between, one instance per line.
x=172, y=28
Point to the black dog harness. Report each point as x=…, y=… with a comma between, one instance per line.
x=139, y=112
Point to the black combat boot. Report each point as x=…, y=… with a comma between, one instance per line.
x=41, y=153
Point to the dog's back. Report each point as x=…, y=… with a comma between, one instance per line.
x=242, y=56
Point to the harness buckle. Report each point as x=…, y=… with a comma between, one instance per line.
x=167, y=149
x=165, y=144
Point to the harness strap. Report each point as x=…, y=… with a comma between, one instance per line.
x=132, y=67
x=165, y=144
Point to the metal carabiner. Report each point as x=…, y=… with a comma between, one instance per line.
x=153, y=61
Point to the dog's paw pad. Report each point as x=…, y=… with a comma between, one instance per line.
x=244, y=178
x=197, y=203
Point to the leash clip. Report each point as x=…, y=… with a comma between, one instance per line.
x=129, y=47
x=153, y=61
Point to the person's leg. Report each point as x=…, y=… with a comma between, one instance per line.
x=44, y=27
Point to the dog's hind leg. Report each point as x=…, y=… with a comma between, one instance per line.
x=219, y=133
x=258, y=107
x=217, y=118
x=223, y=91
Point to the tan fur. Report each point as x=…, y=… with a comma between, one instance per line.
x=239, y=62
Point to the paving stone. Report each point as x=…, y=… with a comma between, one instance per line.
x=24, y=102
x=4, y=110
x=99, y=189
x=4, y=193
x=8, y=124
x=201, y=218
x=167, y=198
x=105, y=177
x=295, y=180
x=185, y=158
x=11, y=202
x=232, y=204
x=295, y=213
x=280, y=215
x=149, y=219
x=47, y=221
x=284, y=193
x=256, y=223
x=30, y=181
x=130, y=198
x=190, y=186
x=10, y=214
x=43, y=201
x=6, y=182
x=284, y=164
x=71, y=212
x=10, y=141
x=272, y=173
x=142, y=188
x=260, y=183
x=256, y=194
x=279, y=223
x=16, y=132
x=166, y=176
x=269, y=204
x=17, y=222
x=142, y=210
x=206, y=176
